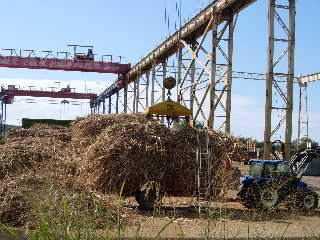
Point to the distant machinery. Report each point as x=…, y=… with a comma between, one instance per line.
x=303, y=115
x=80, y=56
x=7, y=96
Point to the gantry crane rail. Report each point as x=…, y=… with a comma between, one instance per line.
x=9, y=94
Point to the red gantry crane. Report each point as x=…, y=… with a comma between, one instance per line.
x=65, y=61
x=8, y=94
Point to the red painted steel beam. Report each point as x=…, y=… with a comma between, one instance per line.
x=63, y=64
x=10, y=94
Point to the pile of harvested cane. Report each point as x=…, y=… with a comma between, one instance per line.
x=97, y=154
x=37, y=172
x=136, y=150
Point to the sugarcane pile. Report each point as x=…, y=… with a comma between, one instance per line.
x=36, y=173
x=135, y=150
x=96, y=155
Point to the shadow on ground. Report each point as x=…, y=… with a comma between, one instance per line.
x=228, y=213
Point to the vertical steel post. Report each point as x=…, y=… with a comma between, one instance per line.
x=213, y=70
x=291, y=47
x=229, y=76
x=269, y=82
x=125, y=97
x=1, y=119
x=299, y=115
x=109, y=105
x=117, y=102
x=104, y=106
x=137, y=93
x=164, y=72
x=147, y=88
x=179, y=70
x=134, y=97
x=307, y=112
x=192, y=75
x=153, y=79
x=5, y=119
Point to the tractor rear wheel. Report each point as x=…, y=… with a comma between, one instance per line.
x=249, y=197
x=269, y=198
x=148, y=196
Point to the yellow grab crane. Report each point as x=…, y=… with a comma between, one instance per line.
x=169, y=109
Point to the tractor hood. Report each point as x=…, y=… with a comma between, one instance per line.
x=246, y=180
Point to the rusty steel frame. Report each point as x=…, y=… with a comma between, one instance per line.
x=286, y=94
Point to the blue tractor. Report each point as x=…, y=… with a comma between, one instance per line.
x=272, y=182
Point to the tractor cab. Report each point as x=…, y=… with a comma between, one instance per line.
x=268, y=168
x=263, y=170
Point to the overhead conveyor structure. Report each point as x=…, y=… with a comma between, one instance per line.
x=203, y=52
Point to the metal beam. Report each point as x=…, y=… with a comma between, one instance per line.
x=213, y=71
x=153, y=79
x=291, y=47
x=229, y=75
x=286, y=94
x=268, y=105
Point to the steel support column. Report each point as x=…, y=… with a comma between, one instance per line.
x=274, y=70
x=153, y=79
x=134, y=97
x=179, y=70
x=164, y=71
x=303, y=116
x=192, y=77
x=147, y=88
x=104, y=106
x=117, y=102
x=2, y=118
x=291, y=47
x=213, y=56
x=229, y=76
x=268, y=104
x=125, y=98
x=109, y=105
x=137, y=94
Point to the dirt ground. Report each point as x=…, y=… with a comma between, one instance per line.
x=229, y=220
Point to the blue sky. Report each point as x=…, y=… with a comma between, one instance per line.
x=132, y=28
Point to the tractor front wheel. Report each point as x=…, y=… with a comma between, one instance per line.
x=269, y=198
x=310, y=200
